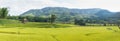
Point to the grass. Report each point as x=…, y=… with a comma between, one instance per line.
x=60, y=34
x=35, y=25
x=8, y=21
x=63, y=32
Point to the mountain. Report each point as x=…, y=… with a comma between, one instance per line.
x=62, y=12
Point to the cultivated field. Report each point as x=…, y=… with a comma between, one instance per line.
x=58, y=32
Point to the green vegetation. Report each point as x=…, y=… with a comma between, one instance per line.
x=14, y=23
x=12, y=30
x=8, y=21
x=67, y=15
x=3, y=12
x=52, y=18
x=39, y=32
x=80, y=22
x=57, y=27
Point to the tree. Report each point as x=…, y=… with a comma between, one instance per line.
x=13, y=17
x=80, y=22
x=118, y=23
x=116, y=17
x=3, y=13
x=41, y=19
x=52, y=18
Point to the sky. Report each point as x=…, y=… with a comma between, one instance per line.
x=17, y=7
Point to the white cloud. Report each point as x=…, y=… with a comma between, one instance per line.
x=19, y=6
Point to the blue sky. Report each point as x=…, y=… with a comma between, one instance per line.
x=17, y=7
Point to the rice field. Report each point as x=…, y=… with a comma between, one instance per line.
x=64, y=32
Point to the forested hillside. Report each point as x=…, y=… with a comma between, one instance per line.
x=60, y=11
x=69, y=15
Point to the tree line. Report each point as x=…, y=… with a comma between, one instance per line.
x=113, y=20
